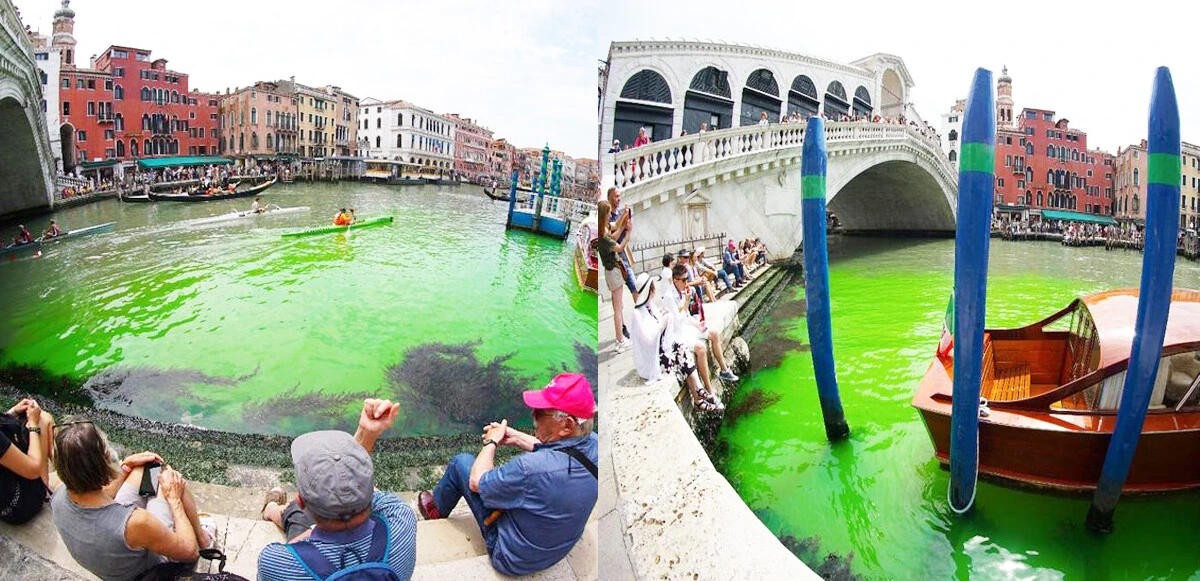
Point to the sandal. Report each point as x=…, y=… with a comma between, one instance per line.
x=276, y=495
x=706, y=402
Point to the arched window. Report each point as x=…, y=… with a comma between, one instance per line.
x=119, y=122
x=268, y=142
x=268, y=121
x=378, y=122
x=1039, y=199
x=400, y=119
x=145, y=122
x=241, y=142
x=1049, y=176
x=1049, y=151
x=254, y=140
x=174, y=97
x=377, y=141
x=399, y=140
x=147, y=149
x=1029, y=173
x=145, y=94
x=253, y=116
x=953, y=155
x=1135, y=180
x=647, y=85
x=120, y=148
x=1029, y=149
x=953, y=137
x=133, y=148
x=118, y=93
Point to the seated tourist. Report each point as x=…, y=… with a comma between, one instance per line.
x=338, y=520
x=690, y=331
x=106, y=525
x=656, y=346
x=710, y=272
x=732, y=264
x=26, y=433
x=545, y=495
x=668, y=262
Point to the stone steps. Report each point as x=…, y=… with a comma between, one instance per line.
x=446, y=549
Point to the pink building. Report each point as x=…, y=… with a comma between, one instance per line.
x=472, y=148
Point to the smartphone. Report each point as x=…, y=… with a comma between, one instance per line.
x=150, y=479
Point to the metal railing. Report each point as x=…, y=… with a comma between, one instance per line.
x=647, y=257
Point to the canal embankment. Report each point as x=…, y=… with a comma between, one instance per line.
x=664, y=509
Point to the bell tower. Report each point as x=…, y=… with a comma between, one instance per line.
x=1004, y=102
x=64, y=33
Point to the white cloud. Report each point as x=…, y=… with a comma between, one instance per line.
x=525, y=69
x=1092, y=64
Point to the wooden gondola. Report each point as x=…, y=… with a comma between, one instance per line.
x=491, y=193
x=142, y=199
x=198, y=197
x=1052, y=390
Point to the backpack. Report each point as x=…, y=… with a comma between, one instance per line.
x=374, y=568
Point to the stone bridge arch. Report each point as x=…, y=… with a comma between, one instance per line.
x=25, y=166
x=893, y=190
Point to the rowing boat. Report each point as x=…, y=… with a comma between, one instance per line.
x=97, y=229
x=381, y=221
x=198, y=197
x=246, y=214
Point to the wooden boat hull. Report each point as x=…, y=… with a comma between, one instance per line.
x=136, y=199
x=586, y=276
x=494, y=196
x=249, y=192
x=1065, y=450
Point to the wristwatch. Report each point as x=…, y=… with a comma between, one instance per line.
x=34, y=429
x=487, y=441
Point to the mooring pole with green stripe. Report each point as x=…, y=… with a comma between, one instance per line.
x=1154, y=299
x=816, y=279
x=976, y=174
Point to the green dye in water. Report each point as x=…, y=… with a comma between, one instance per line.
x=244, y=327
x=881, y=495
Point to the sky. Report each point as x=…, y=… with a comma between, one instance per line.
x=1093, y=64
x=524, y=68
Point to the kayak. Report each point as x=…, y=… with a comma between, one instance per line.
x=37, y=243
x=381, y=221
x=246, y=214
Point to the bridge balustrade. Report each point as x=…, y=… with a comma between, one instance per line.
x=660, y=158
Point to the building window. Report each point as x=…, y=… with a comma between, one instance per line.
x=66, y=108
x=378, y=122
x=81, y=136
x=1135, y=177
x=1008, y=161
x=1000, y=182
x=91, y=108
x=66, y=83
x=91, y=84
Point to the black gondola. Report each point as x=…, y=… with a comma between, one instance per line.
x=197, y=197
x=490, y=192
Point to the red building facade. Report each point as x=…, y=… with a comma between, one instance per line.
x=1042, y=163
x=88, y=121
x=154, y=112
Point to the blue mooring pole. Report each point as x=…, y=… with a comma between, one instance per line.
x=1154, y=299
x=816, y=280
x=512, y=198
x=976, y=173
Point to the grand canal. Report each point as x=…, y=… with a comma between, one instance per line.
x=230, y=326
x=881, y=495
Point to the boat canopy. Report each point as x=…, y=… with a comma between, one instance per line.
x=1114, y=313
x=1066, y=216
x=183, y=161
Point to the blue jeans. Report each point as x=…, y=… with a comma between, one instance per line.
x=724, y=276
x=628, y=273
x=456, y=484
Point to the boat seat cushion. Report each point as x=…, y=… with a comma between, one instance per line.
x=1010, y=383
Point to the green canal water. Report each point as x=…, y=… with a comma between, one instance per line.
x=229, y=326
x=881, y=494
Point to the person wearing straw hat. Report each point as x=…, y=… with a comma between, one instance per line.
x=544, y=496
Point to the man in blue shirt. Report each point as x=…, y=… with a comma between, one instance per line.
x=533, y=509
x=337, y=508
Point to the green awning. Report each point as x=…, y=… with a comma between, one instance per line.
x=1066, y=216
x=184, y=161
x=96, y=164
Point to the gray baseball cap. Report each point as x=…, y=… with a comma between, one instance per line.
x=334, y=473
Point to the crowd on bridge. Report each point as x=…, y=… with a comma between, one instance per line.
x=137, y=518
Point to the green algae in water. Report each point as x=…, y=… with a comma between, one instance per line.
x=881, y=494
x=321, y=317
